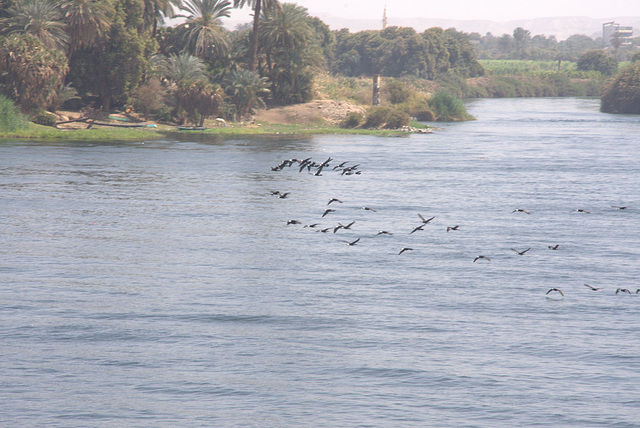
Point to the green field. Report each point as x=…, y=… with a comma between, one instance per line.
x=530, y=68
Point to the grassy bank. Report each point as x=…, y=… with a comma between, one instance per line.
x=38, y=132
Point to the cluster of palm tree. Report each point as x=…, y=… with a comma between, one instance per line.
x=109, y=49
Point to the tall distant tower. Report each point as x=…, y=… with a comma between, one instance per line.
x=385, y=20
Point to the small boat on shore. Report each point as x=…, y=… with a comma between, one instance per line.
x=192, y=128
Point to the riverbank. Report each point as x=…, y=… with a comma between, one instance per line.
x=316, y=117
x=39, y=132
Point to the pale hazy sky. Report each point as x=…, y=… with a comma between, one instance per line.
x=494, y=10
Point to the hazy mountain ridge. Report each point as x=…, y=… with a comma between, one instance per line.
x=561, y=27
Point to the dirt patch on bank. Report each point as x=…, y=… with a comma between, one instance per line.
x=314, y=112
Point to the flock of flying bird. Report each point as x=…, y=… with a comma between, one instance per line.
x=316, y=169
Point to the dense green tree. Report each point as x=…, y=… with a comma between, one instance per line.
x=438, y=62
x=399, y=52
x=578, y=44
x=113, y=68
x=597, y=60
x=202, y=34
x=622, y=93
x=324, y=37
x=39, y=18
x=31, y=72
x=462, y=55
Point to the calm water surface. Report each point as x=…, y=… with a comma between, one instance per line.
x=158, y=283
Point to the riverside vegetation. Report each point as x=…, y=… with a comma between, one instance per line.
x=97, y=57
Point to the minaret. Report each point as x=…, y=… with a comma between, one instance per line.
x=385, y=20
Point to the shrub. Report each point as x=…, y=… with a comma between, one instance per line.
x=447, y=108
x=425, y=116
x=622, y=93
x=163, y=114
x=376, y=117
x=387, y=117
x=397, y=119
x=10, y=118
x=398, y=93
x=45, y=118
x=352, y=120
x=148, y=97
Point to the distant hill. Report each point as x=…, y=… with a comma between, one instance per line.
x=561, y=27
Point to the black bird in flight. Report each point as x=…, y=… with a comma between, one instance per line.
x=553, y=247
x=520, y=210
x=591, y=287
x=421, y=227
x=283, y=195
x=342, y=226
x=369, y=209
x=334, y=200
x=452, y=227
x=293, y=222
x=619, y=208
x=327, y=211
x=622, y=290
x=405, y=249
x=425, y=221
x=556, y=289
x=481, y=257
x=352, y=243
x=384, y=232
x=520, y=253
x=580, y=210
x=341, y=165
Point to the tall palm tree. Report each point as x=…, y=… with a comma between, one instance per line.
x=202, y=34
x=258, y=7
x=39, y=18
x=87, y=21
x=155, y=11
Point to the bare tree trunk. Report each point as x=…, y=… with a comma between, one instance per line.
x=106, y=103
x=253, y=45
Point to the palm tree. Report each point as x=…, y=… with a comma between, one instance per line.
x=87, y=21
x=183, y=69
x=156, y=10
x=291, y=52
x=258, y=6
x=39, y=18
x=31, y=71
x=247, y=89
x=200, y=101
x=202, y=34
x=285, y=30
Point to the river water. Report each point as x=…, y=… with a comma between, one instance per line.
x=158, y=283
